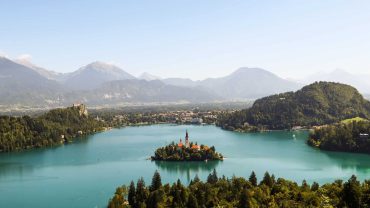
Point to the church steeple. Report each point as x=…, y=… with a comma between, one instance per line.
x=187, y=143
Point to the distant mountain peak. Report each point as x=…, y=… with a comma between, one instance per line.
x=94, y=74
x=147, y=76
x=340, y=72
x=52, y=75
x=254, y=70
x=101, y=66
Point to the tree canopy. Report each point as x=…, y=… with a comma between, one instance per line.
x=239, y=192
x=52, y=128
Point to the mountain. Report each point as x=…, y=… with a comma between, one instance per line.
x=360, y=81
x=139, y=91
x=93, y=75
x=43, y=72
x=316, y=104
x=183, y=82
x=244, y=83
x=148, y=77
x=249, y=83
x=20, y=84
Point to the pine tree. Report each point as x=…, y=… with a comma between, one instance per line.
x=315, y=186
x=245, y=199
x=212, y=177
x=156, y=181
x=192, y=202
x=352, y=192
x=267, y=180
x=196, y=179
x=131, y=194
x=253, y=179
x=141, y=192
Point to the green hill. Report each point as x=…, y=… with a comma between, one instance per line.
x=350, y=136
x=315, y=104
x=53, y=128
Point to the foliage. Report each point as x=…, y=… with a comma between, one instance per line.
x=239, y=192
x=349, y=137
x=350, y=120
x=174, y=153
x=53, y=128
x=316, y=104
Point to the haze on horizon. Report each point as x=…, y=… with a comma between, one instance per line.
x=190, y=39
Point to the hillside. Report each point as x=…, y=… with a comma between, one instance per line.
x=20, y=84
x=347, y=136
x=53, y=128
x=140, y=91
x=316, y=104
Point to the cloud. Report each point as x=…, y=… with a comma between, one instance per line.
x=3, y=54
x=24, y=57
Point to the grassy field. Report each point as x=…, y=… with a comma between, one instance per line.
x=350, y=120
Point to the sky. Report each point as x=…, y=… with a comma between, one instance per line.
x=190, y=38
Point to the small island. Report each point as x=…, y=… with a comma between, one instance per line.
x=186, y=152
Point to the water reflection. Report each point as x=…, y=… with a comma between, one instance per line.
x=187, y=167
x=14, y=170
x=353, y=162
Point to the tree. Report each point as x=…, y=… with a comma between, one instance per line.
x=315, y=186
x=196, y=179
x=156, y=181
x=141, y=192
x=192, y=202
x=212, y=177
x=253, y=178
x=245, y=199
x=267, y=180
x=352, y=192
x=132, y=194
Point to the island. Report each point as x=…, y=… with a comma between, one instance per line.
x=186, y=152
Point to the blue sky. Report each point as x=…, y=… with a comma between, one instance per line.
x=190, y=38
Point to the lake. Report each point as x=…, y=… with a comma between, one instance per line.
x=86, y=173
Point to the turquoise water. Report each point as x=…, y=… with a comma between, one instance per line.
x=86, y=173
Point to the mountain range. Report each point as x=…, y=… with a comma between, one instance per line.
x=360, y=81
x=99, y=83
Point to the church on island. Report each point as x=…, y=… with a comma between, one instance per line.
x=195, y=146
x=186, y=151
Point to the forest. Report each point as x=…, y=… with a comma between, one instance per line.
x=173, y=152
x=343, y=136
x=315, y=104
x=240, y=192
x=53, y=128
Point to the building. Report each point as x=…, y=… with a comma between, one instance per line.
x=195, y=147
x=180, y=145
x=187, y=143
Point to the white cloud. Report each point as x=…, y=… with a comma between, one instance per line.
x=3, y=54
x=24, y=57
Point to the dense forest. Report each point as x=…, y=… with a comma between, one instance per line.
x=344, y=136
x=52, y=128
x=243, y=193
x=195, y=152
x=315, y=104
